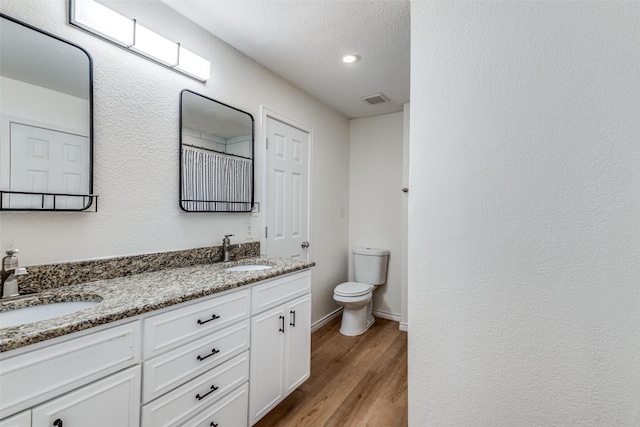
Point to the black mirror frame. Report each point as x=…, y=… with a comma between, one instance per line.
x=89, y=196
x=181, y=201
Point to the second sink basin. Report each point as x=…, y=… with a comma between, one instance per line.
x=21, y=316
x=248, y=267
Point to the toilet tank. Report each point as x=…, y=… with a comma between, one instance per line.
x=370, y=265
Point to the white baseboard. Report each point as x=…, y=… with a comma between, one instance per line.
x=390, y=316
x=381, y=314
x=326, y=319
x=385, y=315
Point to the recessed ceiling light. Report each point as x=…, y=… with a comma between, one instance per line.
x=352, y=57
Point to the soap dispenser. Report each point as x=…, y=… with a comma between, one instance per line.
x=9, y=272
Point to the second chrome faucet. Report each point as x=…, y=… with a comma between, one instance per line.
x=227, y=246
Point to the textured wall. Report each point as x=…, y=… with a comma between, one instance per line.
x=136, y=105
x=524, y=243
x=375, y=202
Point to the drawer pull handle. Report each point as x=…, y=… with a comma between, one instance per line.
x=57, y=423
x=294, y=318
x=202, y=322
x=213, y=388
x=213, y=351
x=282, y=328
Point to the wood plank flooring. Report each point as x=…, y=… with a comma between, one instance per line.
x=355, y=381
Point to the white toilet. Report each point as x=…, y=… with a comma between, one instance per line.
x=370, y=270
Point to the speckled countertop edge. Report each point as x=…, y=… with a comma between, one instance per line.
x=130, y=296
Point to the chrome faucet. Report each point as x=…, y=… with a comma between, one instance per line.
x=227, y=246
x=9, y=272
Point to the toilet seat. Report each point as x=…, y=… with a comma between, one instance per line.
x=352, y=289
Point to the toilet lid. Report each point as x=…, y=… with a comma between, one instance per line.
x=352, y=289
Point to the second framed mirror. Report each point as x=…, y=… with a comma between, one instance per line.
x=216, y=156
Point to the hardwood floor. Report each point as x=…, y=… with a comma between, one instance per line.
x=355, y=381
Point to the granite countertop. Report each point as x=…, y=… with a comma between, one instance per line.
x=130, y=296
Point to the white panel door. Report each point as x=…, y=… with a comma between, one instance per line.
x=287, y=192
x=48, y=161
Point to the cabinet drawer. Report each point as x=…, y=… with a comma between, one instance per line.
x=230, y=411
x=173, y=408
x=22, y=419
x=112, y=401
x=278, y=291
x=32, y=378
x=169, y=330
x=169, y=370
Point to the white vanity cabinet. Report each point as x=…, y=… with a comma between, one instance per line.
x=222, y=360
x=69, y=380
x=194, y=356
x=280, y=341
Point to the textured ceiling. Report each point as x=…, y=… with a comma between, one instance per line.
x=303, y=41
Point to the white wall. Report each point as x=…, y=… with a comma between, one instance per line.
x=524, y=217
x=136, y=106
x=375, y=200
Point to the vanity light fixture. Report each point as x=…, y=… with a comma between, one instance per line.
x=103, y=22
x=350, y=58
x=154, y=45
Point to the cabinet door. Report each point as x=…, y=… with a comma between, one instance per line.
x=267, y=357
x=23, y=419
x=112, y=401
x=298, y=351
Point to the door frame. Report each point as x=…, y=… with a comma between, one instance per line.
x=265, y=114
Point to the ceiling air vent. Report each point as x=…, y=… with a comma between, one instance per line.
x=375, y=99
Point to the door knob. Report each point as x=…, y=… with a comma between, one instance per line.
x=305, y=244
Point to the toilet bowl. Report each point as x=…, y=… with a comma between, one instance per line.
x=356, y=298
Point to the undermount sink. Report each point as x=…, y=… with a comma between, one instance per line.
x=249, y=267
x=21, y=316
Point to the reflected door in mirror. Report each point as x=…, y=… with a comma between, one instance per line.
x=47, y=161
